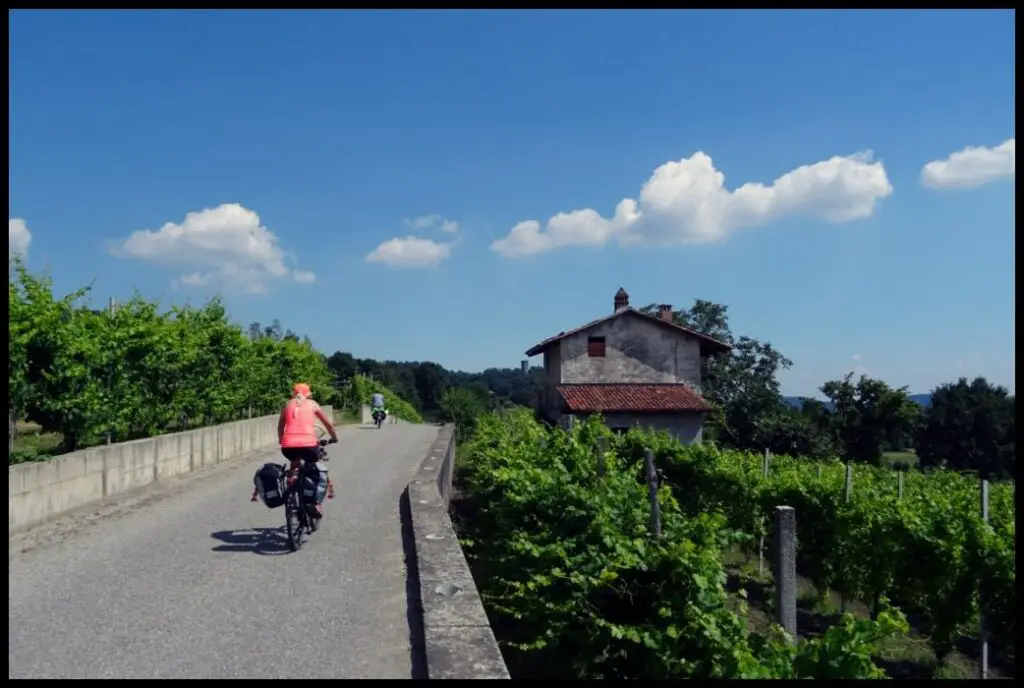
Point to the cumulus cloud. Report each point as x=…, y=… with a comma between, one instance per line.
x=409, y=252
x=434, y=221
x=18, y=237
x=686, y=201
x=227, y=244
x=971, y=167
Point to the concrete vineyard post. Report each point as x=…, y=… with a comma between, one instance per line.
x=111, y=310
x=982, y=630
x=847, y=493
x=602, y=447
x=784, y=568
x=765, y=462
x=652, y=493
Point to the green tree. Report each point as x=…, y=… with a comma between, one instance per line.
x=431, y=381
x=789, y=431
x=742, y=383
x=867, y=414
x=462, y=407
x=971, y=426
x=343, y=365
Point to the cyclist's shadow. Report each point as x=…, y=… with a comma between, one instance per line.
x=265, y=541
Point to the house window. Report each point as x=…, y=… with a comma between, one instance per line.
x=620, y=430
x=595, y=347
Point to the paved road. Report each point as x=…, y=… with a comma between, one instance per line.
x=195, y=584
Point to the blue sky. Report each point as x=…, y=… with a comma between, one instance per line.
x=275, y=156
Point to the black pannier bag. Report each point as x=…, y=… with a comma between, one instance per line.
x=313, y=481
x=269, y=481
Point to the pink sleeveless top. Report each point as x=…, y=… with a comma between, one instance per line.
x=300, y=423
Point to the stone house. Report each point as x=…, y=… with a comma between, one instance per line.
x=631, y=367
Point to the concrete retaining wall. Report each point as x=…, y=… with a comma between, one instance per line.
x=367, y=417
x=457, y=636
x=40, y=491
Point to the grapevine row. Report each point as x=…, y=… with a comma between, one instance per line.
x=137, y=371
x=928, y=549
x=576, y=587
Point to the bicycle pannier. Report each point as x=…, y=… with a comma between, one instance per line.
x=314, y=483
x=269, y=481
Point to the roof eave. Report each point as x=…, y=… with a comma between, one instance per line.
x=709, y=346
x=713, y=347
x=639, y=411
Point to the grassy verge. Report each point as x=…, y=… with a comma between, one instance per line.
x=32, y=445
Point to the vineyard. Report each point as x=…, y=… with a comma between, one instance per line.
x=576, y=587
x=90, y=375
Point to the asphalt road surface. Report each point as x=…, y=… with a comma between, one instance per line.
x=198, y=582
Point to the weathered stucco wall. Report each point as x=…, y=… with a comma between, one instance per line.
x=635, y=351
x=685, y=427
x=552, y=377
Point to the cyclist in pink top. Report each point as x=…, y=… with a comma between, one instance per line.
x=296, y=432
x=296, y=427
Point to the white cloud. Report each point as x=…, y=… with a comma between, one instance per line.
x=195, y=279
x=18, y=237
x=971, y=167
x=686, y=201
x=434, y=221
x=424, y=222
x=409, y=252
x=227, y=243
x=855, y=357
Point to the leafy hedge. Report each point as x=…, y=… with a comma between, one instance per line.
x=930, y=551
x=362, y=389
x=85, y=373
x=576, y=588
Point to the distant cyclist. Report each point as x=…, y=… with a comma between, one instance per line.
x=377, y=405
x=296, y=429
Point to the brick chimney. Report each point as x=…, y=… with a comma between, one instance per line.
x=665, y=312
x=621, y=300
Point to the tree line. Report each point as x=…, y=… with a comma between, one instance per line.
x=135, y=371
x=425, y=384
x=969, y=425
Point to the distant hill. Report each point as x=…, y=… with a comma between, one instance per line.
x=922, y=399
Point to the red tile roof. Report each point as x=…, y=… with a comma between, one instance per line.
x=708, y=345
x=631, y=398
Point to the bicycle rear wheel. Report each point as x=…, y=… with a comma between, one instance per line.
x=294, y=521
